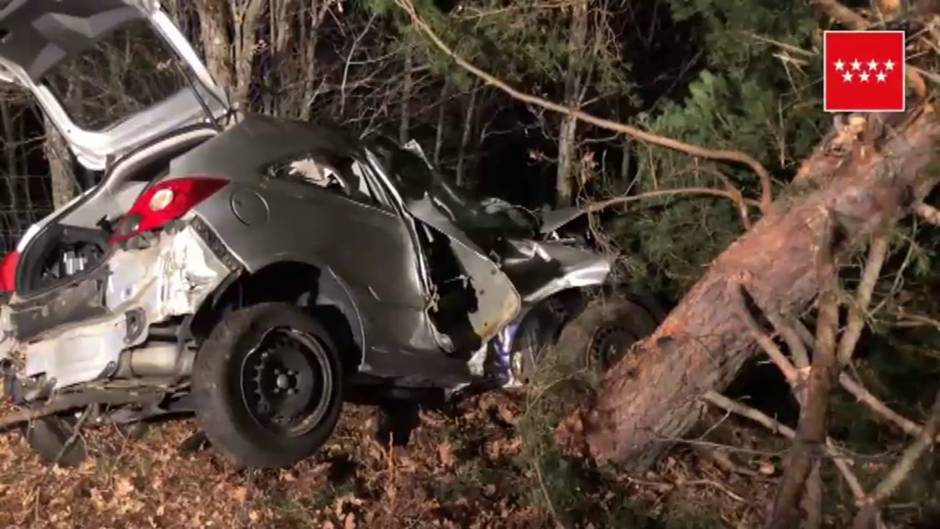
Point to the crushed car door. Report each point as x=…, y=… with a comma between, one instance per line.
x=138, y=77
x=496, y=302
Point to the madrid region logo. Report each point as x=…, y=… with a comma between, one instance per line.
x=864, y=71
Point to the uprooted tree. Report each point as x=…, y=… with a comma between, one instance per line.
x=869, y=172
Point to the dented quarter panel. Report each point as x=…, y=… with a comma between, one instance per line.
x=172, y=277
x=364, y=250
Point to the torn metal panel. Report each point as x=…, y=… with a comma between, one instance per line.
x=170, y=278
x=540, y=269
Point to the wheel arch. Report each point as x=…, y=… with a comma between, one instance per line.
x=311, y=286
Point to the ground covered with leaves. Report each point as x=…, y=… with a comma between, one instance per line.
x=480, y=463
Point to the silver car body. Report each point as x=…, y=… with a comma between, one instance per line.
x=367, y=259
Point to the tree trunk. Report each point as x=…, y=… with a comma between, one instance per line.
x=60, y=166
x=404, y=125
x=468, y=120
x=567, y=133
x=216, y=41
x=652, y=395
x=10, y=150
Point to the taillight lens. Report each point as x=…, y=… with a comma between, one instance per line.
x=8, y=271
x=165, y=202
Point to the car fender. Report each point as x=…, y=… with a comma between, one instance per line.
x=332, y=290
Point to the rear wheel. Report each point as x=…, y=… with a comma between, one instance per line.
x=268, y=385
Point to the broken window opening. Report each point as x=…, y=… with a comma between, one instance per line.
x=339, y=174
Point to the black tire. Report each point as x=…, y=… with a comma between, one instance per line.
x=260, y=362
x=598, y=336
x=49, y=435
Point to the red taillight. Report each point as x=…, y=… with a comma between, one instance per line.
x=8, y=271
x=165, y=202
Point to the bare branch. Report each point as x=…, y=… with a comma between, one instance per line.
x=880, y=408
x=766, y=343
x=634, y=132
x=856, y=321
x=899, y=472
x=788, y=331
x=812, y=501
x=811, y=431
x=616, y=201
x=775, y=426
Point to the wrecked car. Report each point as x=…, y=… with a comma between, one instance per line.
x=254, y=271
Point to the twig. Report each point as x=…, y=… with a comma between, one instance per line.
x=616, y=201
x=634, y=132
x=788, y=332
x=76, y=432
x=766, y=343
x=775, y=426
x=900, y=471
x=548, y=498
x=878, y=406
x=856, y=320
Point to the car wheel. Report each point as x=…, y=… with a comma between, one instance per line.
x=49, y=435
x=600, y=334
x=268, y=385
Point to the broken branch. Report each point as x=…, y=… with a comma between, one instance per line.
x=811, y=430
x=633, y=132
x=863, y=395
x=900, y=470
x=765, y=342
x=616, y=201
x=856, y=321
x=788, y=332
x=777, y=427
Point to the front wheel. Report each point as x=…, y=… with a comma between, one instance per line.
x=599, y=335
x=268, y=385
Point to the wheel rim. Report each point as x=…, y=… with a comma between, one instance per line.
x=286, y=382
x=608, y=344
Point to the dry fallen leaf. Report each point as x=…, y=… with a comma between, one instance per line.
x=239, y=494
x=446, y=454
x=123, y=488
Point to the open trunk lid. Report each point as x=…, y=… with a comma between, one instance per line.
x=110, y=74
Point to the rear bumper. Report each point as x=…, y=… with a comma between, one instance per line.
x=78, y=333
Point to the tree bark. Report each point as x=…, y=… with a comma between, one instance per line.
x=653, y=394
x=60, y=167
x=468, y=121
x=568, y=130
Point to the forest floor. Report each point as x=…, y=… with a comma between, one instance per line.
x=471, y=465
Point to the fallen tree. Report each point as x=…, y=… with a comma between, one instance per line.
x=653, y=395
x=866, y=173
